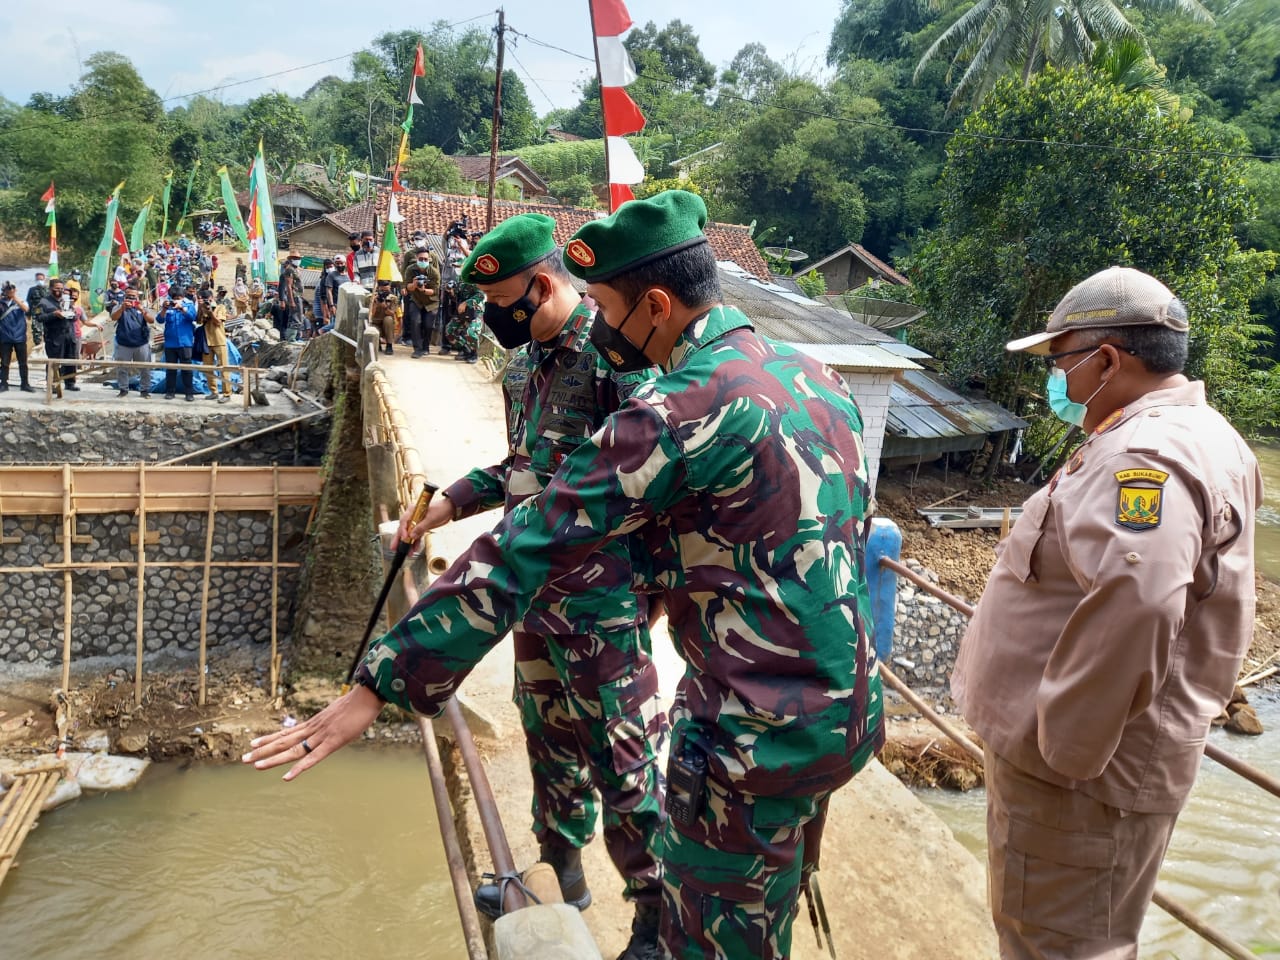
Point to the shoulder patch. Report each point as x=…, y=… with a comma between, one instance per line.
x=1140, y=498
x=1110, y=421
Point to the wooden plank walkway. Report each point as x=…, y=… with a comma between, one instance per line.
x=20, y=807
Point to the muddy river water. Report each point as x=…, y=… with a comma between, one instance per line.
x=227, y=863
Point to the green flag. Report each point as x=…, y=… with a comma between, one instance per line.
x=186, y=201
x=137, y=237
x=102, y=259
x=168, y=189
x=233, y=209
x=407, y=126
x=266, y=221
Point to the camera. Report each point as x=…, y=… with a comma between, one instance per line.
x=458, y=229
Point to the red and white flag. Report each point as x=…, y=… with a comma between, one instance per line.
x=609, y=20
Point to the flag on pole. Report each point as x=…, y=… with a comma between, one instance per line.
x=191, y=178
x=413, y=93
x=233, y=208
x=388, y=268
x=51, y=221
x=407, y=126
x=253, y=227
x=266, y=222
x=117, y=234
x=419, y=64
x=609, y=20
x=138, y=235
x=102, y=259
x=164, y=200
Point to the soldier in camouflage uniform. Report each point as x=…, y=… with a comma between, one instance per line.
x=585, y=684
x=741, y=469
x=463, y=332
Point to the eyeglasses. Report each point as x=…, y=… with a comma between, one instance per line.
x=1051, y=359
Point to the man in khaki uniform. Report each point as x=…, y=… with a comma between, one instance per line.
x=1112, y=628
x=213, y=317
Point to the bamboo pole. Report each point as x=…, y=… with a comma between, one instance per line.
x=33, y=797
x=241, y=439
x=98, y=565
x=204, y=589
x=142, y=576
x=68, y=530
x=275, y=575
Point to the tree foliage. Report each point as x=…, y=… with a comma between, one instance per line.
x=1026, y=216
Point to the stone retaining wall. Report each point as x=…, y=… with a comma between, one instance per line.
x=104, y=602
x=927, y=635
x=62, y=435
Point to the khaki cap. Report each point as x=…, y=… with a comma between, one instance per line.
x=1115, y=297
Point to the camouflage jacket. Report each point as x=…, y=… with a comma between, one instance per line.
x=557, y=395
x=742, y=469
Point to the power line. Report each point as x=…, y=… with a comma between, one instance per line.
x=927, y=131
x=52, y=122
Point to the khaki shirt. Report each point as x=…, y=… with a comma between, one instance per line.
x=1121, y=605
x=213, y=319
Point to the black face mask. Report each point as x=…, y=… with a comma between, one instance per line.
x=619, y=352
x=513, y=325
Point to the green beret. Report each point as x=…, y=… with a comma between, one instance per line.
x=510, y=247
x=638, y=232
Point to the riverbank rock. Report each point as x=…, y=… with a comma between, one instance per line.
x=105, y=772
x=1242, y=718
x=63, y=793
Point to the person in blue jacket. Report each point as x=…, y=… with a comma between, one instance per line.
x=13, y=336
x=179, y=321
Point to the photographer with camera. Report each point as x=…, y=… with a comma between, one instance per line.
x=133, y=341
x=213, y=321
x=179, y=321
x=421, y=301
x=56, y=314
x=384, y=312
x=13, y=336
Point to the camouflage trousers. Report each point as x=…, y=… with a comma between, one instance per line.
x=732, y=879
x=462, y=333
x=589, y=706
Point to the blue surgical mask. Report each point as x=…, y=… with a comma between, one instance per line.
x=1063, y=407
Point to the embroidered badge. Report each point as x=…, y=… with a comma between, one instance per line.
x=1076, y=462
x=1140, y=498
x=488, y=265
x=581, y=254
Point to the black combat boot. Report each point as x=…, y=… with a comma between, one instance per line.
x=565, y=859
x=644, y=934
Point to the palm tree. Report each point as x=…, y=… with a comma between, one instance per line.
x=993, y=36
x=1127, y=64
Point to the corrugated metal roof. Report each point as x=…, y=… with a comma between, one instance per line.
x=855, y=356
x=792, y=318
x=921, y=407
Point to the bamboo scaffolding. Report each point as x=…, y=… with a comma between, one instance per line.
x=204, y=586
x=141, y=586
x=20, y=808
x=99, y=565
x=275, y=580
x=68, y=531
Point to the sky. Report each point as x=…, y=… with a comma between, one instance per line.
x=184, y=48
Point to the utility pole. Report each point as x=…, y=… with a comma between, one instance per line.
x=497, y=119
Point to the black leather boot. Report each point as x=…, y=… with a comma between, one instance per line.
x=565, y=859
x=644, y=934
